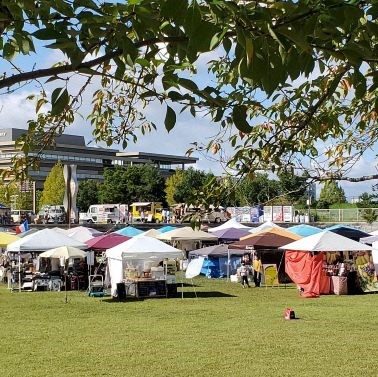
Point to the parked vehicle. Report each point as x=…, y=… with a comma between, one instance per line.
x=105, y=214
x=51, y=214
x=147, y=211
x=20, y=215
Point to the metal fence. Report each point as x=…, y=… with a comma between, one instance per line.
x=339, y=215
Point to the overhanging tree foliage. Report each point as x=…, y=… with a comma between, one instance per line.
x=285, y=77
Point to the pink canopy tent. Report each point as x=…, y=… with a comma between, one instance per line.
x=106, y=241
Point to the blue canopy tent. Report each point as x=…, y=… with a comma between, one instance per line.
x=348, y=232
x=215, y=260
x=129, y=231
x=304, y=230
x=166, y=228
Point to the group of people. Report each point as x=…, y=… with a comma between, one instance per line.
x=248, y=268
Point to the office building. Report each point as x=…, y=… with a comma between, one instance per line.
x=90, y=161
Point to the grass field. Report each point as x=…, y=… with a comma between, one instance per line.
x=226, y=331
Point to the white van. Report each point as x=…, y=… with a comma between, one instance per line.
x=105, y=214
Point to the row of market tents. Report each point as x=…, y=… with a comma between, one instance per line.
x=238, y=239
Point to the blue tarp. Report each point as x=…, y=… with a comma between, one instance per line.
x=217, y=267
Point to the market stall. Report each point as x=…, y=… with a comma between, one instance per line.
x=327, y=263
x=23, y=255
x=218, y=260
x=187, y=239
x=140, y=267
x=266, y=244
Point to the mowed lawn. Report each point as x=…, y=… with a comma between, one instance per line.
x=225, y=331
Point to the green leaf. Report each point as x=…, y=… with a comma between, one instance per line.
x=59, y=100
x=46, y=34
x=239, y=115
x=170, y=119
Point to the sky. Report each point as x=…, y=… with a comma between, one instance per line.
x=15, y=111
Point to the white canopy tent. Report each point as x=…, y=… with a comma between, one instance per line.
x=149, y=233
x=264, y=226
x=232, y=223
x=326, y=241
x=138, y=248
x=82, y=233
x=186, y=233
x=43, y=240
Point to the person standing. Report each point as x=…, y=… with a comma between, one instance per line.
x=257, y=269
x=244, y=272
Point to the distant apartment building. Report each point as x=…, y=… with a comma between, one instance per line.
x=90, y=161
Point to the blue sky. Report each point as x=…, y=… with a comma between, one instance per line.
x=15, y=110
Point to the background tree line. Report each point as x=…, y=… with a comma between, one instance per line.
x=127, y=184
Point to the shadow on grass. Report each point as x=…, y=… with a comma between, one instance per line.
x=204, y=294
x=209, y=294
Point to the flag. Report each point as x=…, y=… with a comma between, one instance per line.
x=24, y=227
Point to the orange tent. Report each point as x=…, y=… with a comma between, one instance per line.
x=272, y=238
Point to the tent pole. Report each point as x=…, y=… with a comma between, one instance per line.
x=19, y=271
x=228, y=263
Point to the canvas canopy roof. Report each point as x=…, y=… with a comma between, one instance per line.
x=231, y=234
x=149, y=233
x=348, y=231
x=106, y=241
x=187, y=233
x=42, y=240
x=65, y=252
x=143, y=248
x=215, y=251
x=129, y=231
x=232, y=223
x=82, y=233
x=326, y=241
x=369, y=239
x=7, y=238
x=167, y=228
x=304, y=230
x=265, y=239
x=264, y=226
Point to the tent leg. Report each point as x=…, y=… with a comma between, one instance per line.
x=195, y=292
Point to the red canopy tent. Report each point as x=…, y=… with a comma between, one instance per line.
x=106, y=241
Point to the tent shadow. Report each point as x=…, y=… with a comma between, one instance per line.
x=203, y=294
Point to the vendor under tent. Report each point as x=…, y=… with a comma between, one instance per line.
x=65, y=254
x=313, y=264
x=230, y=235
x=232, y=223
x=304, y=230
x=105, y=241
x=129, y=231
x=219, y=260
x=137, y=261
x=265, y=244
x=37, y=242
x=348, y=232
